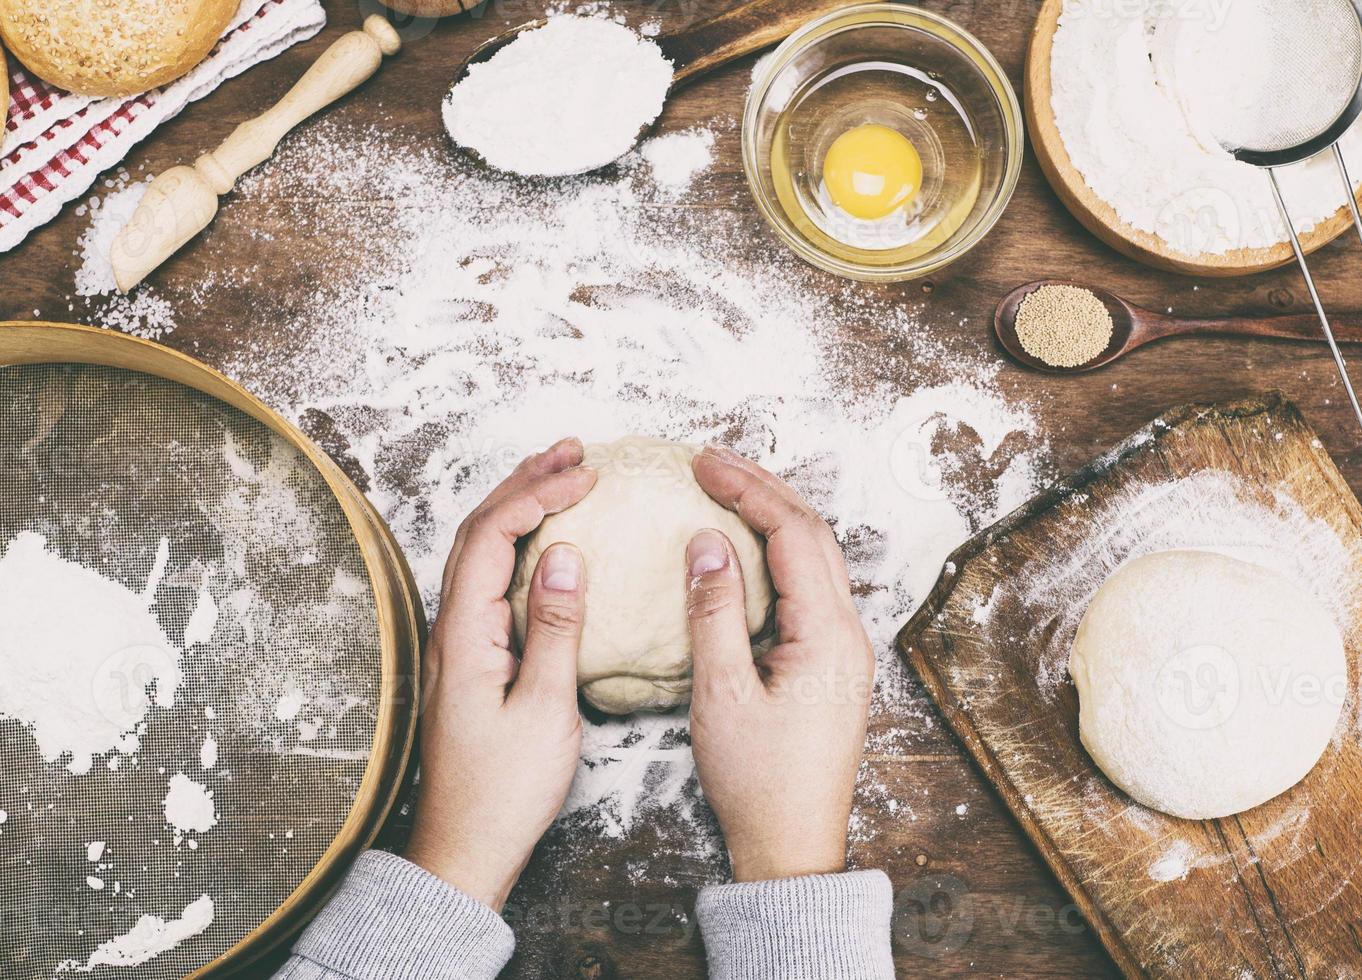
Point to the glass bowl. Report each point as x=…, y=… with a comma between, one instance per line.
x=883, y=64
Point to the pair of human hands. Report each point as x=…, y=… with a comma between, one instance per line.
x=777, y=741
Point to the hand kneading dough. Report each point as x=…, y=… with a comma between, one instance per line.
x=1206, y=685
x=632, y=530
x=112, y=47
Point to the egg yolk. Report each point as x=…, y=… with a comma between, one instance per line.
x=871, y=171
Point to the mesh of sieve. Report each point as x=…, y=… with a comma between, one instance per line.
x=1291, y=70
x=104, y=463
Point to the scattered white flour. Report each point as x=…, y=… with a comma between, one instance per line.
x=759, y=66
x=676, y=158
x=143, y=313
x=470, y=318
x=1174, y=864
x=189, y=805
x=78, y=681
x=204, y=619
x=289, y=705
x=94, y=850
x=208, y=752
x=1130, y=87
x=149, y=938
x=108, y=215
x=96, y=883
x=158, y=571
x=565, y=98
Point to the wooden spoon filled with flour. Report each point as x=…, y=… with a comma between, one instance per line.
x=572, y=94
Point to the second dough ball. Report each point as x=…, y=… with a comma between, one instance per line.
x=1206, y=685
x=632, y=530
x=112, y=47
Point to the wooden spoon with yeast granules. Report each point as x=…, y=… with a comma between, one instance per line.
x=1133, y=326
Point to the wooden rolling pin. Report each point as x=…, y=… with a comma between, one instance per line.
x=183, y=201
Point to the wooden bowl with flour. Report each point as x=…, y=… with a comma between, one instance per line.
x=1100, y=218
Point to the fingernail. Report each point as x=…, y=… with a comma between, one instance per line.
x=721, y=452
x=562, y=569
x=706, y=553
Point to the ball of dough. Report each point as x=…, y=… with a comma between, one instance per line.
x=632, y=530
x=112, y=47
x=1206, y=685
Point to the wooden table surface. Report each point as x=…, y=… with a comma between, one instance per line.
x=974, y=898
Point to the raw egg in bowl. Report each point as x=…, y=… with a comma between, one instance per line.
x=881, y=142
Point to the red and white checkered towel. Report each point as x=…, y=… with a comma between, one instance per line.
x=55, y=143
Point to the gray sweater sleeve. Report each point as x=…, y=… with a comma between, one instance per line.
x=820, y=927
x=392, y=920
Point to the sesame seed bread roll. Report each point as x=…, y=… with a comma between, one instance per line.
x=4, y=94
x=112, y=47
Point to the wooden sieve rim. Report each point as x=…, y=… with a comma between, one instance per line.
x=401, y=621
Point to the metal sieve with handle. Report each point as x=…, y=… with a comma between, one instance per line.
x=1315, y=44
x=117, y=451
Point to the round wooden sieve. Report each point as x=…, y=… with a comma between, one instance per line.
x=298, y=798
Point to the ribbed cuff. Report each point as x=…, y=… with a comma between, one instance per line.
x=820, y=927
x=391, y=920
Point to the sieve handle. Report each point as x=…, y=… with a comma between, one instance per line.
x=1314, y=293
x=1348, y=184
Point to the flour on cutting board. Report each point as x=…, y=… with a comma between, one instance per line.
x=1210, y=510
x=477, y=318
x=1173, y=864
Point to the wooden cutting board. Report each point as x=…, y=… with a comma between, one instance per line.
x=1274, y=892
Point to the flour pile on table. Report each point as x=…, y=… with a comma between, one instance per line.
x=143, y=312
x=466, y=319
x=676, y=158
